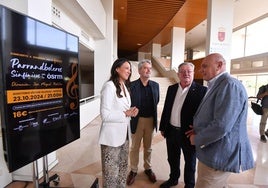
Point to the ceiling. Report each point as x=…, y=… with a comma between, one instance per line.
x=143, y=22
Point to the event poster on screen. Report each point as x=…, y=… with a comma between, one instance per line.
x=39, y=88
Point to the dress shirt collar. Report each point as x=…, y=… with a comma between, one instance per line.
x=185, y=89
x=212, y=81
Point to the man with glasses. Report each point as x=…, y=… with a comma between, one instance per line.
x=181, y=103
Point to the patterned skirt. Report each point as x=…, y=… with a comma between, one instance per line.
x=114, y=165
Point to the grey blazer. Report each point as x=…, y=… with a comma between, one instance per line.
x=220, y=124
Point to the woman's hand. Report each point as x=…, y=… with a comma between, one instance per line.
x=132, y=112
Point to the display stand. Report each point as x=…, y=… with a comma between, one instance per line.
x=35, y=174
x=46, y=183
x=55, y=178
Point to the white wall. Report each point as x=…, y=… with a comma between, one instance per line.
x=88, y=112
x=34, y=8
x=20, y=6
x=96, y=13
x=115, y=40
x=104, y=50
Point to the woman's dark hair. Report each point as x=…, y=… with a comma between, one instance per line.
x=115, y=77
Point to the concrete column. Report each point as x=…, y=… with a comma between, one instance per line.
x=115, y=40
x=177, y=46
x=156, y=50
x=219, y=28
x=141, y=55
x=190, y=53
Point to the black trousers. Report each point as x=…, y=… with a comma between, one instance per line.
x=176, y=142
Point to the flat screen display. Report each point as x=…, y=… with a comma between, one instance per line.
x=38, y=86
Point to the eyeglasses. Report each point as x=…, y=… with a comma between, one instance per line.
x=186, y=71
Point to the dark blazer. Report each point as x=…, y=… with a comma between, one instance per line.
x=135, y=94
x=193, y=98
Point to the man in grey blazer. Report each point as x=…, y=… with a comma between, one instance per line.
x=220, y=126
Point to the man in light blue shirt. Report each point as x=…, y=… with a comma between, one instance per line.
x=220, y=127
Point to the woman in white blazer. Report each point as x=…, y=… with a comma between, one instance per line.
x=115, y=113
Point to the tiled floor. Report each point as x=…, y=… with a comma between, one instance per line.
x=79, y=162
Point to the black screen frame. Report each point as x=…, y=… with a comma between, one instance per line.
x=39, y=88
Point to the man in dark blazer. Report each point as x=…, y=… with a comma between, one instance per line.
x=181, y=103
x=145, y=96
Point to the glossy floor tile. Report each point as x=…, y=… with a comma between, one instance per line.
x=79, y=162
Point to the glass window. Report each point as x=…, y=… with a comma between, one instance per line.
x=250, y=40
x=238, y=43
x=252, y=82
x=256, y=38
x=261, y=80
x=249, y=81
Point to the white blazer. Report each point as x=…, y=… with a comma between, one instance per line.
x=115, y=125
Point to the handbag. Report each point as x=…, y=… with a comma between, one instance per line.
x=256, y=107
